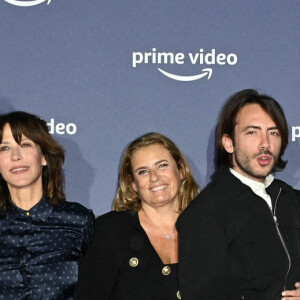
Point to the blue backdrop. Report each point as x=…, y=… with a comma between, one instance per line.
x=102, y=73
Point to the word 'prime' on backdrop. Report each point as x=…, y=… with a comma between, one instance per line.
x=209, y=58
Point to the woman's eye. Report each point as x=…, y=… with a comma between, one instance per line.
x=163, y=165
x=4, y=148
x=24, y=145
x=142, y=172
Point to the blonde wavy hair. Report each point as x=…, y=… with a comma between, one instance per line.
x=128, y=199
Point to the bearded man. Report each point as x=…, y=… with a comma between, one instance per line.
x=240, y=238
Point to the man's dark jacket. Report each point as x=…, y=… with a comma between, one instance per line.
x=232, y=246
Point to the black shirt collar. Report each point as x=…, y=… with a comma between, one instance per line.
x=39, y=212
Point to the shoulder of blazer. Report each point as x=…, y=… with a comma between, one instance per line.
x=117, y=221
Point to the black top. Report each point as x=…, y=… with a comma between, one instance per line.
x=122, y=264
x=241, y=248
x=40, y=250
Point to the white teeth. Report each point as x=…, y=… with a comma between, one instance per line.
x=161, y=187
x=19, y=169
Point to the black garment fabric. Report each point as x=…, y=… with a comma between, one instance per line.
x=232, y=246
x=107, y=272
x=40, y=250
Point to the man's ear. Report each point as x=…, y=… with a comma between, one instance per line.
x=227, y=143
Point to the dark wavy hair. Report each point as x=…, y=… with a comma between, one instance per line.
x=35, y=129
x=227, y=122
x=128, y=199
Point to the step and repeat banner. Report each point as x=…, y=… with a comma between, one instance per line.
x=102, y=73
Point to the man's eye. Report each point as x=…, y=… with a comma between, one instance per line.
x=275, y=133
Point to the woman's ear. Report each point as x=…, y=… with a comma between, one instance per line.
x=181, y=170
x=44, y=162
x=133, y=184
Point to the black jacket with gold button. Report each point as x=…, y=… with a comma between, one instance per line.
x=232, y=246
x=121, y=264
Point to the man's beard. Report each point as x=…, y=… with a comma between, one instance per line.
x=243, y=161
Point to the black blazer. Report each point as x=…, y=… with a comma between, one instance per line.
x=231, y=247
x=122, y=264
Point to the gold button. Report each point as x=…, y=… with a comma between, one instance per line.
x=178, y=295
x=166, y=270
x=27, y=213
x=133, y=262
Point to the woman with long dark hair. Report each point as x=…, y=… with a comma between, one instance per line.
x=42, y=237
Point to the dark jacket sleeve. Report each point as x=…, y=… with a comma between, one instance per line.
x=202, y=251
x=88, y=231
x=99, y=268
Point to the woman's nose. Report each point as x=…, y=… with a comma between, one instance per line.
x=154, y=176
x=16, y=154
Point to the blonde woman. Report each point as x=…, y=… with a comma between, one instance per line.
x=134, y=253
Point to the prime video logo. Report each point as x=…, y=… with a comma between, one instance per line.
x=201, y=58
x=27, y=3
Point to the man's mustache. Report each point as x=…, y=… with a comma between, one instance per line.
x=264, y=151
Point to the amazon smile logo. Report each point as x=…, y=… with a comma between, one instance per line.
x=210, y=58
x=27, y=3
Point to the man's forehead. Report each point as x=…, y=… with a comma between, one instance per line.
x=254, y=114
